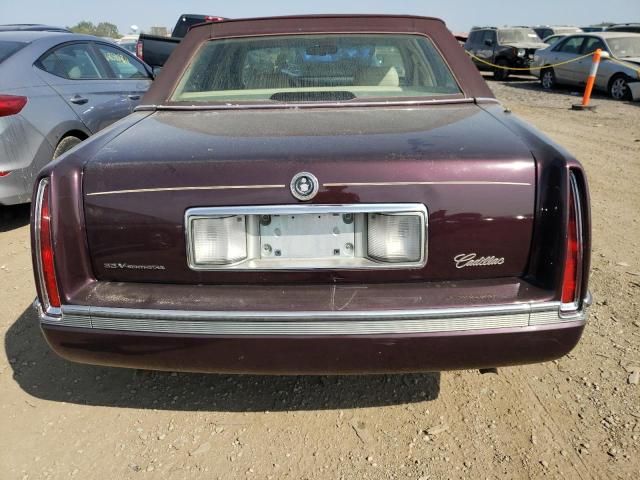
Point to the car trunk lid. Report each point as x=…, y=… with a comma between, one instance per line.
x=475, y=177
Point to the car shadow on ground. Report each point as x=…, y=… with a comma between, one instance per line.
x=42, y=374
x=14, y=216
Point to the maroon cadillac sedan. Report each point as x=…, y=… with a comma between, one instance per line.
x=314, y=194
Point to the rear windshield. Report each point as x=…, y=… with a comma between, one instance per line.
x=316, y=68
x=518, y=35
x=9, y=48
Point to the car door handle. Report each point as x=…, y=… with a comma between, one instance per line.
x=78, y=100
x=133, y=97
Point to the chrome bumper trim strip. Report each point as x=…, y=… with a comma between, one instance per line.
x=310, y=323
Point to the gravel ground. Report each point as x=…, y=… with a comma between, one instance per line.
x=578, y=417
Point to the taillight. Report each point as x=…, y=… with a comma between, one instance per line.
x=209, y=18
x=572, y=277
x=44, y=250
x=4, y=174
x=11, y=104
x=139, y=50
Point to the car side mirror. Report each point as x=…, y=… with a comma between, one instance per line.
x=488, y=43
x=156, y=71
x=605, y=55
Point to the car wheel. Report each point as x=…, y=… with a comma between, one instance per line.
x=501, y=74
x=66, y=144
x=548, y=79
x=619, y=88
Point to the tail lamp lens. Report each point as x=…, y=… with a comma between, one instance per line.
x=11, y=104
x=394, y=238
x=573, y=260
x=46, y=264
x=219, y=241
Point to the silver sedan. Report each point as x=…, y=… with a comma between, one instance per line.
x=56, y=89
x=619, y=72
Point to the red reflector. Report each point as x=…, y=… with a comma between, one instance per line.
x=139, y=50
x=46, y=251
x=570, y=282
x=11, y=104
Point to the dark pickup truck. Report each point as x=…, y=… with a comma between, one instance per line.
x=154, y=50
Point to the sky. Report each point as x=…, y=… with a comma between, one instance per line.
x=460, y=15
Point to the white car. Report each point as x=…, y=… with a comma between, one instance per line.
x=619, y=71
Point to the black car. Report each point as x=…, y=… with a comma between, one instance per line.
x=508, y=47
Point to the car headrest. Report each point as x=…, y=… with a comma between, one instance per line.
x=62, y=65
x=377, y=76
x=267, y=80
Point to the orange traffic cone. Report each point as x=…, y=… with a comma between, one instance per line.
x=590, y=82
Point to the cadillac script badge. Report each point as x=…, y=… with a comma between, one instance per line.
x=472, y=260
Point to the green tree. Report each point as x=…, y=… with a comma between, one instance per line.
x=84, y=27
x=103, y=29
x=106, y=29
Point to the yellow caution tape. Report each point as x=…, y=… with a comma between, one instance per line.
x=624, y=64
x=528, y=69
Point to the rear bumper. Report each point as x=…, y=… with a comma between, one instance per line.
x=313, y=342
x=13, y=187
x=523, y=62
x=21, y=146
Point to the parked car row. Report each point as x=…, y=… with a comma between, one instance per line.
x=57, y=89
x=558, y=60
x=618, y=78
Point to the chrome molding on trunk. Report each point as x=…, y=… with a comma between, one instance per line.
x=240, y=323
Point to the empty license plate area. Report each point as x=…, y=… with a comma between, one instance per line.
x=310, y=236
x=291, y=237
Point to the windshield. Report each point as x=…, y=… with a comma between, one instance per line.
x=315, y=68
x=9, y=48
x=625, y=47
x=518, y=35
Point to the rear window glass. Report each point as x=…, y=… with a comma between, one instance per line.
x=73, y=62
x=316, y=68
x=9, y=48
x=518, y=35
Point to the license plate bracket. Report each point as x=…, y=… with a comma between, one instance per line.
x=307, y=236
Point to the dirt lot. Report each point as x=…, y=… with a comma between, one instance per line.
x=578, y=417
